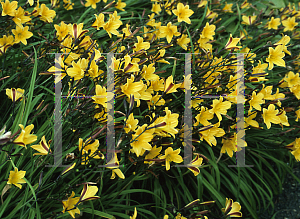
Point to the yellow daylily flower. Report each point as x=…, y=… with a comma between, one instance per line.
x=289, y=24
x=297, y=115
x=141, y=44
x=169, y=31
x=8, y=8
x=208, y=31
x=284, y=41
x=210, y=134
x=99, y=22
x=141, y=140
x=256, y=100
x=91, y=3
x=131, y=123
x=70, y=204
x=46, y=14
x=183, y=41
x=21, y=34
x=43, y=147
x=273, y=23
x=156, y=8
x=248, y=20
x=120, y=5
x=220, y=107
x=232, y=209
x=183, y=13
x=227, y=8
x=275, y=57
x=194, y=165
x=88, y=193
x=134, y=214
x=270, y=116
x=15, y=94
x=232, y=43
x=114, y=165
x=25, y=137
x=16, y=177
x=170, y=156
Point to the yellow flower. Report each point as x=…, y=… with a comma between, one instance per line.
x=16, y=177
x=15, y=94
x=270, y=116
x=284, y=41
x=227, y=8
x=113, y=24
x=46, y=14
x=43, y=147
x=273, y=23
x=248, y=20
x=194, y=165
x=203, y=43
x=61, y=31
x=275, y=57
x=91, y=3
x=68, y=5
x=70, y=204
x=170, y=87
x=183, y=41
x=30, y=2
x=170, y=120
x=267, y=92
x=21, y=34
x=292, y=79
x=99, y=22
x=148, y=72
x=232, y=43
x=210, y=134
x=249, y=120
x=230, y=145
x=88, y=193
x=208, y=31
x=5, y=43
x=183, y=13
x=170, y=156
x=152, y=154
x=141, y=45
x=8, y=8
x=289, y=24
x=178, y=216
x=210, y=14
x=232, y=209
x=256, y=100
x=120, y=5
x=220, y=107
x=169, y=31
x=245, y=4
x=25, y=137
x=283, y=119
x=76, y=31
x=20, y=17
x=156, y=8
x=297, y=115
x=114, y=165
x=204, y=116
x=134, y=214
x=141, y=140
x=131, y=123
x=132, y=88
x=89, y=149
x=102, y=96
x=296, y=91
